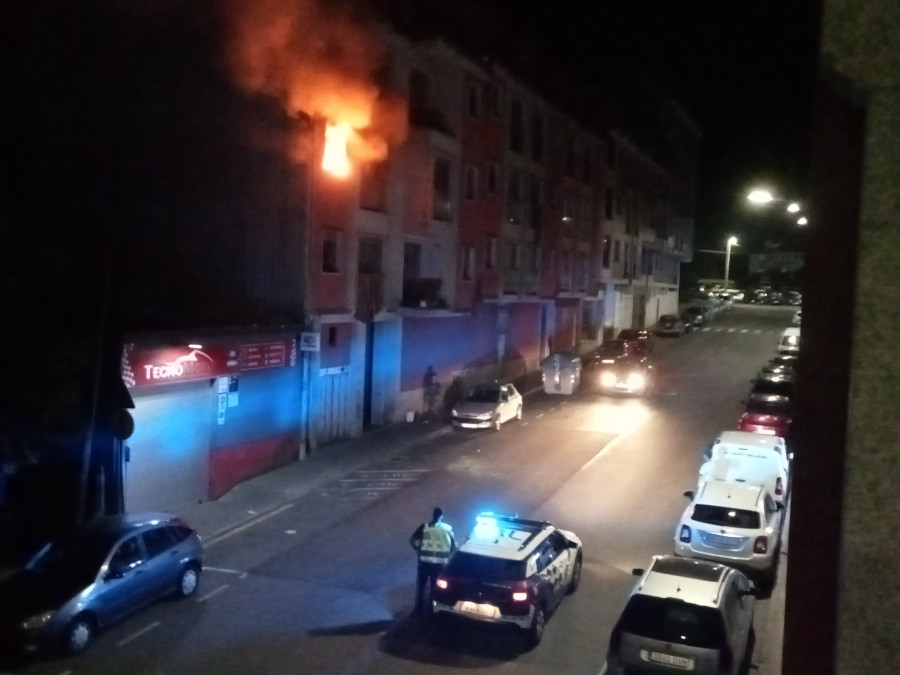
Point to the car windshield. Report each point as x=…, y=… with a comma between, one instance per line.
x=485, y=568
x=726, y=516
x=612, y=348
x=484, y=395
x=772, y=405
x=773, y=387
x=674, y=621
x=77, y=557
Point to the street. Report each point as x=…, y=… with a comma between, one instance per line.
x=325, y=583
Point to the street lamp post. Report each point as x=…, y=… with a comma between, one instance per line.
x=732, y=241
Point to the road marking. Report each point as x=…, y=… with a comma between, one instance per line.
x=223, y=570
x=608, y=446
x=250, y=523
x=602, y=670
x=212, y=593
x=135, y=636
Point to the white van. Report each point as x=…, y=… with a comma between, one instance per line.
x=747, y=457
x=790, y=341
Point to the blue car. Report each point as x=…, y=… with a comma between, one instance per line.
x=95, y=575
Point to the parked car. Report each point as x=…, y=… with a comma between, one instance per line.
x=769, y=414
x=749, y=458
x=487, y=406
x=670, y=325
x=94, y=575
x=790, y=341
x=685, y=616
x=509, y=571
x=695, y=316
x=779, y=384
x=734, y=524
x=639, y=339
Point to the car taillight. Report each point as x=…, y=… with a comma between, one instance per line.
x=442, y=583
x=520, y=592
x=685, y=534
x=779, y=486
x=761, y=545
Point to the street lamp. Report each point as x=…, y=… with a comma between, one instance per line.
x=732, y=241
x=763, y=197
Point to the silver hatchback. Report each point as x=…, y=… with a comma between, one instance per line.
x=97, y=574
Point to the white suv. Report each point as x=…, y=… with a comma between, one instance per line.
x=732, y=523
x=685, y=616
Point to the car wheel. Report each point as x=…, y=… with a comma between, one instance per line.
x=79, y=634
x=497, y=422
x=519, y=413
x=536, y=630
x=576, y=576
x=188, y=581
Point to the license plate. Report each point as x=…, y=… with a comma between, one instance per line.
x=468, y=425
x=488, y=611
x=720, y=542
x=671, y=660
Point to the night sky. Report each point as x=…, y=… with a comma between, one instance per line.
x=745, y=72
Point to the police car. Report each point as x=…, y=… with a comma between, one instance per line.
x=509, y=571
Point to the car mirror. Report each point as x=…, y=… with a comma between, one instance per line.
x=689, y=494
x=637, y=571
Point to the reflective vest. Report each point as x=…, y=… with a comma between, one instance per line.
x=437, y=542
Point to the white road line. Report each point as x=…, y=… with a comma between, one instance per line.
x=608, y=446
x=393, y=471
x=540, y=415
x=135, y=636
x=224, y=570
x=212, y=593
x=602, y=669
x=250, y=523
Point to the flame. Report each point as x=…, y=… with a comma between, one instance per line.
x=318, y=58
x=334, y=159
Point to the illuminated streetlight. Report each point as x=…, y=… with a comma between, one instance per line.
x=732, y=241
x=762, y=196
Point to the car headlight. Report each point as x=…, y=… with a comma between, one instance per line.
x=453, y=412
x=608, y=379
x=37, y=621
x=635, y=380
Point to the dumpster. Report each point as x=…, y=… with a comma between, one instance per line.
x=561, y=373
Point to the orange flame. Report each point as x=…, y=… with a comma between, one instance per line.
x=334, y=159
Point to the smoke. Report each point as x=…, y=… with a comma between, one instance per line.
x=319, y=60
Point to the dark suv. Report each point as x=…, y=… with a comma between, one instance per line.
x=685, y=616
x=510, y=571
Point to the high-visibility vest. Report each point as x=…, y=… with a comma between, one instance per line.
x=437, y=542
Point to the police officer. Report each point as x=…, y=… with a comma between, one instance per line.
x=433, y=542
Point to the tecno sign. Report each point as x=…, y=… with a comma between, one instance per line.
x=196, y=363
x=177, y=364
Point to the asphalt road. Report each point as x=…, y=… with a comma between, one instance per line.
x=325, y=583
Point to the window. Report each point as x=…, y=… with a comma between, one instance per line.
x=468, y=263
x=617, y=251
x=606, y=250
x=442, y=192
x=127, y=556
x=491, y=258
x=537, y=137
x=474, y=100
x=332, y=336
x=370, y=255
x=331, y=251
x=471, y=182
x=535, y=203
x=516, y=126
x=492, y=96
x=157, y=540
x=514, y=197
x=373, y=183
x=493, y=178
x=512, y=256
x=412, y=260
